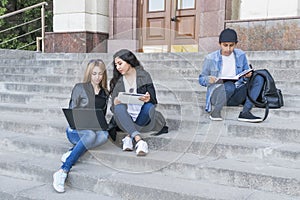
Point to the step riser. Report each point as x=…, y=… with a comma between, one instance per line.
x=219, y=176
x=174, y=63
x=158, y=70
x=174, y=96
x=241, y=179
x=203, y=150
x=272, y=134
x=103, y=186
x=193, y=111
x=275, y=64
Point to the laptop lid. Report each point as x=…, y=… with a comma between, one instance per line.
x=86, y=119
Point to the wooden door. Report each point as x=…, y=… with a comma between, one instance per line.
x=170, y=25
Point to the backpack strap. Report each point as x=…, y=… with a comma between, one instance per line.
x=266, y=110
x=263, y=104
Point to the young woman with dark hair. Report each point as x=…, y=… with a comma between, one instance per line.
x=129, y=76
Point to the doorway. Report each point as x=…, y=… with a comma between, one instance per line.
x=170, y=25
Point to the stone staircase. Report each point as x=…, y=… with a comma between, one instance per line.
x=197, y=159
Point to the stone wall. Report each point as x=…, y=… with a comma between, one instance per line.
x=75, y=42
x=268, y=34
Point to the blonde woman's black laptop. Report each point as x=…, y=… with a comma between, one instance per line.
x=86, y=119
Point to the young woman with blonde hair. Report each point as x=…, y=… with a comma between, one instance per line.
x=92, y=93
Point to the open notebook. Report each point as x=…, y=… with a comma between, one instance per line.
x=234, y=78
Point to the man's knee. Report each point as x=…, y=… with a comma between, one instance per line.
x=258, y=80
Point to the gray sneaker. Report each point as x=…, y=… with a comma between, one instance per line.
x=248, y=117
x=215, y=115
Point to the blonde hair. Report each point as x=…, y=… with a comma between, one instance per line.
x=88, y=72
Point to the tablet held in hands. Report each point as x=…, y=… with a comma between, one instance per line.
x=130, y=98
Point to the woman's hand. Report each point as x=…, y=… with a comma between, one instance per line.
x=145, y=98
x=116, y=101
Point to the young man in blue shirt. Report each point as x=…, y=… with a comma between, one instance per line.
x=228, y=61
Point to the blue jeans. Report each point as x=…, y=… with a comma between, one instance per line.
x=230, y=95
x=82, y=141
x=125, y=121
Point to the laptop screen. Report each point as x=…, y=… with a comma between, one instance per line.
x=86, y=119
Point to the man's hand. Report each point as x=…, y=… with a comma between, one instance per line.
x=212, y=79
x=248, y=75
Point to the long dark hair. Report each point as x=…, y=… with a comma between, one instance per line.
x=126, y=56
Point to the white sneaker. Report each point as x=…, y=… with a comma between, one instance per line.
x=127, y=144
x=141, y=148
x=65, y=156
x=59, y=179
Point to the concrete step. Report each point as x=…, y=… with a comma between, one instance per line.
x=16, y=54
x=252, y=55
x=183, y=110
x=106, y=181
x=179, y=65
x=164, y=150
x=21, y=189
x=259, y=55
x=274, y=55
x=201, y=159
x=275, y=63
x=275, y=128
x=42, y=70
x=203, y=143
x=33, y=78
x=278, y=130
x=176, y=90
x=32, y=62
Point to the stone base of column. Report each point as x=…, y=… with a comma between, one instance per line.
x=115, y=45
x=76, y=42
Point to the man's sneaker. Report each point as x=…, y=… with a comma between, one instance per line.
x=127, y=144
x=59, y=179
x=248, y=117
x=215, y=115
x=141, y=148
x=65, y=156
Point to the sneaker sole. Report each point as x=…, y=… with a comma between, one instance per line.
x=56, y=189
x=141, y=153
x=127, y=149
x=215, y=119
x=250, y=120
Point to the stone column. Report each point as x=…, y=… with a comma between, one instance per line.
x=212, y=17
x=79, y=26
x=298, y=10
x=123, y=32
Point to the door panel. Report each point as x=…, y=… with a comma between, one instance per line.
x=155, y=24
x=170, y=23
x=156, y=32
x=185, y=28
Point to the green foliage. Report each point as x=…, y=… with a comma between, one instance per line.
x=27, y=16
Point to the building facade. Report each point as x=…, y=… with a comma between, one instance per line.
x=168, y=25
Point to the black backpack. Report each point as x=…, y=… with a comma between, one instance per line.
x=270, y=96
